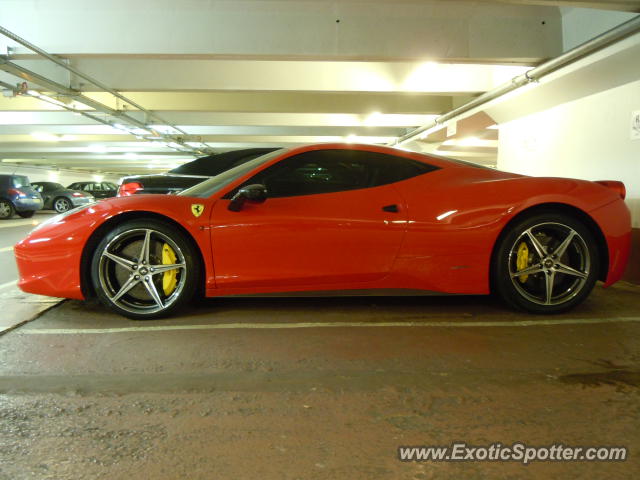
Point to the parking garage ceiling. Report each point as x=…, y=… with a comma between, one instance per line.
x=196, y=76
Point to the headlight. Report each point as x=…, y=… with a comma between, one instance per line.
x=60, y=217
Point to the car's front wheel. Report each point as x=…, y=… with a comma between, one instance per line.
x=145, y=269
x=6, y=209
x=546, y=263
x=61, y=204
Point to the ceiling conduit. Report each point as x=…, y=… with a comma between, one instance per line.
x=120, y=116
x=609, y=37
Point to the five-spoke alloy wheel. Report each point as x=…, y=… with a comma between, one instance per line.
x=61, y=204
x=145, y=269
x=547, y=263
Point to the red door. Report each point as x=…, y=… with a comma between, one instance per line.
x=346, y=237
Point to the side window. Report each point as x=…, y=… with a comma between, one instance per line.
x=310, y=173
x=329, y=171
x=37, y=188
x=88, y=187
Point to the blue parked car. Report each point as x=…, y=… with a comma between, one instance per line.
x=17, y=196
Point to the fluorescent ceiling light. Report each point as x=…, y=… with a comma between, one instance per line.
x=165, y=129
x=139, y=131
x=45, y=137
x=97, y=148
x=374, y=119
x=46, y=98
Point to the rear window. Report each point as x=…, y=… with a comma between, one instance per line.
x=20, y=181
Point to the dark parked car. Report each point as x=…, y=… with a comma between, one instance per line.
x=61, y=199
x=17, y=196
x=189, y=174
x=97, y=189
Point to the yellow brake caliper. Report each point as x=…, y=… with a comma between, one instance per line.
x=169, y=278
x=522, y=260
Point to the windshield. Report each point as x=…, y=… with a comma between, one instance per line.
x=215, y=184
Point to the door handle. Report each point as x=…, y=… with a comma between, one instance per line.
x=390, y=208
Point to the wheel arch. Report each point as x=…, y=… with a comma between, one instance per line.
x=95, y=238
x=584, y=217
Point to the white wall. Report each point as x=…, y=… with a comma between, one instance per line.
x=588, y=138
x=582, y=24
x=65, y=177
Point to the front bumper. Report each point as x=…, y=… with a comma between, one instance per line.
x=49, y=258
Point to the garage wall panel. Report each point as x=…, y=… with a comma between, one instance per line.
x=582, y=24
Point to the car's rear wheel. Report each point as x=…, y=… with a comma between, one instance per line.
x=6, y=209
x=27, y=214
x=61, y=204
x=145, y=269
x=546, y=263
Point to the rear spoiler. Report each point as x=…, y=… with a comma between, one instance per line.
x=615, y=185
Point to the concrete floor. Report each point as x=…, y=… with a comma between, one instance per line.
x=313, y=389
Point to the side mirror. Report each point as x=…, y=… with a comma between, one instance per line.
x=256, y=193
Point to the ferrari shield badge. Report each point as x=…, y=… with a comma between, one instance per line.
x=197, y=209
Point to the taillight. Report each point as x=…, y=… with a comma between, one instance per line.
x=19, y=193
x=77, y=194
x=130, y=188
x=616, y=186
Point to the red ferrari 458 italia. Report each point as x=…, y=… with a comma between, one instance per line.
x=338, y=218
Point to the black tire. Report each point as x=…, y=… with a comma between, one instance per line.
x=559, y=263
x=27, y=214
x=62, y=204
x=7, y=210
x=129, y=284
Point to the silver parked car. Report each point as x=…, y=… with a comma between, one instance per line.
x=61, y=199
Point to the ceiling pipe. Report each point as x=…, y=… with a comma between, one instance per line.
x=4, y=61
x=60, y=89
x=84, y=113
x=609, y=37
x=78, y=73
x=118, y=117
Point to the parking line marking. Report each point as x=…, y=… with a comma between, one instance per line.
x=284, y=326
x=6, y=249
x=8, y=284
x=19, y=223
